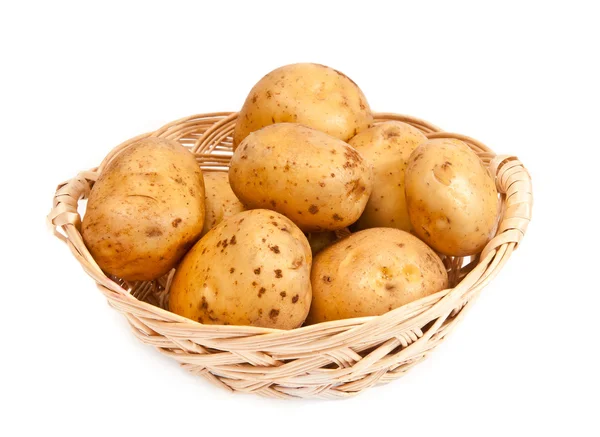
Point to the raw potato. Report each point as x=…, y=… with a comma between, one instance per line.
x=372, y=272
x=451, y=196
x=220, y=200
x=387, y=146
x=320, y=240
x=145, y=210
x=251, y=269
x=319, y=182
x=311, y=94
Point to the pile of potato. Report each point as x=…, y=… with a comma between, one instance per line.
x=262, y=244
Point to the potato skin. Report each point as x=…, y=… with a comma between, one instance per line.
x=319, y=182
x=387, y=146
x=145, y=210
x=372, y=272
x=220, y=201
x=320, y=240
x=311, y=94
x=251, y=269
x=451, y=196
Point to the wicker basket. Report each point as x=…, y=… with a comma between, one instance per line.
x=328, y=360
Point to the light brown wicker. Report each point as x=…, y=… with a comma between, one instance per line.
x=328, y=360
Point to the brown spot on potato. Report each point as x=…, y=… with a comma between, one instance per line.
x=354, y=187
x=273, y=203
x=337, y=218
x=154, y=232
x=390, y=287
x=254, y=98
x=443, y=174
x=283, y=294
x=321, y=184
x=400, y=245
x=313, y=209
x=176, y=222
x=278, y=273
x=274, y=249
x=231, y=270
x=268, y=94
x=297, y=263
x=391, y=133
x=295, y=298
x=273, y=313
x=203, y=303
x=261, y=291
x=233, y=240
x=326, y=278
x=257, y=271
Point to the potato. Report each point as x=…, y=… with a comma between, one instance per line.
x=311, y=94
x=320, y=240
x=219, y=199
x=451, y=197
x=372, y=272
x=251, y=269
x=319, y=182
x=145, y=210
x=387, y=147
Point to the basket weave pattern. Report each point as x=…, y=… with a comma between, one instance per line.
x=328, y=360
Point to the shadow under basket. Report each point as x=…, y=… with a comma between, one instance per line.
x=328, y=360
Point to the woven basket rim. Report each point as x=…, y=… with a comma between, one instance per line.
x=203, y=134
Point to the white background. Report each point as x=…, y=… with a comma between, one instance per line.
x=78, y=78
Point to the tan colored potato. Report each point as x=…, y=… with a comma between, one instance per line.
x=451, y=196
x=311, y=94
x=145, y=210
x=220, y=200
x=251, y=269
x=387, y=147
x=372, y=272
x=320, y=240
x=319, y=182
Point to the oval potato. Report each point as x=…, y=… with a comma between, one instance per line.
x=251, y=269
x=319, y=182
x=451, y=197
x=372, y=272
x=311, y=94
x=387, y=146
x=220, y=201
x=145, y=210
